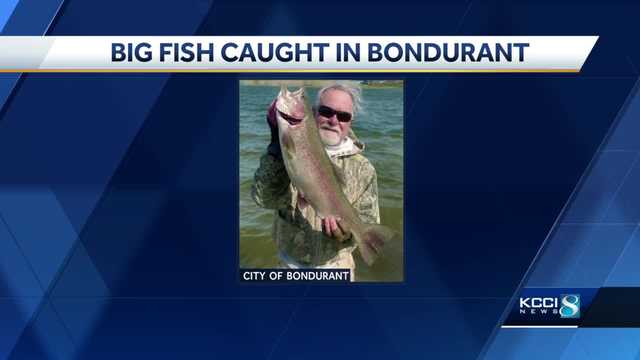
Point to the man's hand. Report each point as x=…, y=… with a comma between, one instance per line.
x=332, y=227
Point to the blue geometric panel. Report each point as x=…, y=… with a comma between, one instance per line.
x=626, y=271
x=569, y=344
x=625, y=136
x=80, y=277
x=46, y=337
x=80, y=280
x=624, y=207
x=24, y=280
x=528, y=344
x=622, y=344
x=579, y=255
x=6, y=9
x=79, y=315
x=23, y=17
x=17, y=278
x=50, y=163
x=45, y=246
x=31, y=17
x=63, y=151
x=594, y=198
x=15, y=314
x=77, y=167
x=206, y=327
x=54, y=155
x=595, y=244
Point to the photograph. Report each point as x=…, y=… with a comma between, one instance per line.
x=321, y=176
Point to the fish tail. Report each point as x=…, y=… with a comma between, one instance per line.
x=372, y=240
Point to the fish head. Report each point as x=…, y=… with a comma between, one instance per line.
x=290, y=108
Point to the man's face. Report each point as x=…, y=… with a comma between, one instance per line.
x=332, y=131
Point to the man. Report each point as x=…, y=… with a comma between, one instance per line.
x=304, y=240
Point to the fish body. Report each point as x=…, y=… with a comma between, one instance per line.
x=315, y=176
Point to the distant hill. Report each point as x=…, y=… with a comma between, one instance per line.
x=381, y=83
x=321, y=83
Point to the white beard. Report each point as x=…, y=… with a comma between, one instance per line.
x=344, y=148
x=330, y=138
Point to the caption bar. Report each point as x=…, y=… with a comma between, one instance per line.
x=295, y=275
x=294, y=53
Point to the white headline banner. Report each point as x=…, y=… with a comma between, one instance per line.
x=295, y=53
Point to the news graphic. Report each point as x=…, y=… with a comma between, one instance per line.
x=267, y=180
x=321, y=177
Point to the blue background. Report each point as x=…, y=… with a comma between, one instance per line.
x=118, y=193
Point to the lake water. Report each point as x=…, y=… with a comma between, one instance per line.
x=380, y=127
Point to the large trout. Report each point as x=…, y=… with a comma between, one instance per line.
x=314, y=175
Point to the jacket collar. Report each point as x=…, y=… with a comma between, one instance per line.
x=350, y=146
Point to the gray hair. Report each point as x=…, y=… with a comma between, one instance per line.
x=350, y=87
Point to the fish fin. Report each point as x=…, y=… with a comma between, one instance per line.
x=298, y=92
x=372, y=240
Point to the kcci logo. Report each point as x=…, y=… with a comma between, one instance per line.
x=570, y=308
x=567, y=306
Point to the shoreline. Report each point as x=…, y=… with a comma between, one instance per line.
x=387, y=84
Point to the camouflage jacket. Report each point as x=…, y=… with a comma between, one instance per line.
x=298, y=233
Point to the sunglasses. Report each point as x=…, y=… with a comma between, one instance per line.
x=329, y=112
